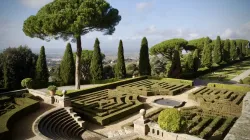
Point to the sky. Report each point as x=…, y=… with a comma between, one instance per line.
x=158, y=20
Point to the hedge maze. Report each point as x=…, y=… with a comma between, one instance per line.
x=108, y=105
x=219, y=101
x=6, y=104
x=205, y=125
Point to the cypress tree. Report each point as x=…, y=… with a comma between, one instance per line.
x=196, y=60
x=217, y=52
x=233, y=50
x=226, y=51
x=190, y=62
x=96, y=67
x=239, y=49
x=120, y=70
x=67, y=66
x=175, y=69
x=206, y=58
x=243, y=49
x=144, y=65
x=42, y=74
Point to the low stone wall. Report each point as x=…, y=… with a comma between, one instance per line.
x=241, y=128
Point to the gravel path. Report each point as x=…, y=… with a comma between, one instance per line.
x=22, y=130
x=241, y=76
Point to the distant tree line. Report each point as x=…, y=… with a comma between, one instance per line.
x=202, y=53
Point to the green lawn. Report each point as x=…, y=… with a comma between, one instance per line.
x=228, y=73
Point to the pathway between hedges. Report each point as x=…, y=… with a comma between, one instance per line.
x=22, y=129
x=241, y=76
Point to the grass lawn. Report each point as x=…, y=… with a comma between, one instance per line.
x=228, y=73
x=246, y=80
x=59, y=92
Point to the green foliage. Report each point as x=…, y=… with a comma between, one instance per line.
x=42, y=74
x=171, y=120
x=226, y=50
x=158, y=66
x=65, y=19
x=199, y=43
x=196, y=60
x=18, y=63
x=108, y=72
x=67, y=66
x=131, y=68
x=235, y=88
x=96, y=67
x=190, y=62
x=217, y=51
x=27, y=82
x=120, y=70
x=52, y=88
x=233, y=50
x=144, y=65
x=175, y=68
x=71, y=19
x=206, y=59
x=167, y=48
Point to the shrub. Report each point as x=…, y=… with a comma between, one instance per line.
x=27, y=82
x=171, y=120
x=235, y=88
x=241, y=81
x=52, y=88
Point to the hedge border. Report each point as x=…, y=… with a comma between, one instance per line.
x=235, y=88
x=8, y=119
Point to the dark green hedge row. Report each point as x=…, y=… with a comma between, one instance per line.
x=8, y=119
x=173, y=80
x=106, y=86
x=236, y=88
x=212, y=69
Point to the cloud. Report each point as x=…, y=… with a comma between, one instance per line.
x=242, y=32
x=35, y=3
x=141, y=6
x=160, y=34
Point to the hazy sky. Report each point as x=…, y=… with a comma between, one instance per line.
x=158, y=20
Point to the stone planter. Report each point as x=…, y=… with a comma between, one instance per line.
x=52, y=93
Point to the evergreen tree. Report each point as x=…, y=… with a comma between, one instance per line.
x=233, y=50
x=190, y=62
x=196, y=60
x=120, y=71
x=239, y=49
x=243, y=49
x=226, y=51
x=217, y=52
x=67, y=66
x=175, y=68
x=206, y=59
x=42, y=74
x=144, y=65
x=96, y=67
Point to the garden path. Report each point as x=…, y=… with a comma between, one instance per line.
x=241, y=76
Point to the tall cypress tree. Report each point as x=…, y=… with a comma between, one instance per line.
x=120, y=70
x=67, y=66
x=175, y=69
x=206, y=59
x=233, y=50
x=144, y=65
x=96, y=67
x=196, y=60
x=42, y=74
x=190, y=62
x=217, y=52
x=226, y=51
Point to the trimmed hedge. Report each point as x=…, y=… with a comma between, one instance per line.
x=8, y=119
x=106, y=86
x=229, y=87
x=181, y=81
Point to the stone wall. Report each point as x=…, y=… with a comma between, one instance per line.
x=241, y=128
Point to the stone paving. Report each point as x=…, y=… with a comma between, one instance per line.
x=241, y=76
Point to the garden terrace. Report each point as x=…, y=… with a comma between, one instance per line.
x=221, y=101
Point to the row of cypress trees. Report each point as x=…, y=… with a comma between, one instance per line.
x=67, y=67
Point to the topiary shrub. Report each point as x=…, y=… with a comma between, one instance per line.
x=171, y=120
x=52, y=88
x=27, y=82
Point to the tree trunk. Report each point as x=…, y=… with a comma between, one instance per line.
x=78, y=62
